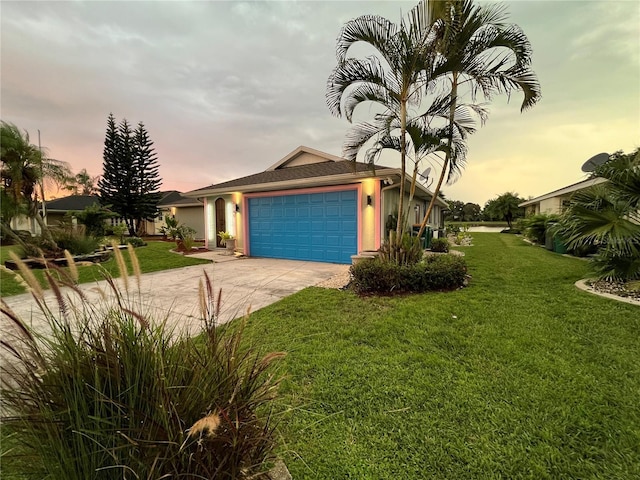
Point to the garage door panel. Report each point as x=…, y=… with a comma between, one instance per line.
x=318, y=226
x=332, y=197
x=347, y=210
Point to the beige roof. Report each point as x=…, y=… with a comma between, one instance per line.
x=565, y=190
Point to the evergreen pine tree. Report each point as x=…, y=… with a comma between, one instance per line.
x=148, y=176
x=130, y=179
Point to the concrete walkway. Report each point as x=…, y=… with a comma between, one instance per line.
x=246, y=283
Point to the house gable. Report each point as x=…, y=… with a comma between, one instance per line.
x=303, y=156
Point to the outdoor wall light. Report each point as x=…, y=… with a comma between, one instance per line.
x=369, y=200
x=237, y=207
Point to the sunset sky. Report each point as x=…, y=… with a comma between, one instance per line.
x=226, y=89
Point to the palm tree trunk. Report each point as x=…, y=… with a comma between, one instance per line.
x=447, y=156
x=8, y=232
x=45, y=232
x=403, y=167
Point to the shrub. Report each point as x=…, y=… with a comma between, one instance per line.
x=110, y=393
x=74, y=239
x=434, y=272
x=188, y=243
x=535, y=227
x=606, y=217
x=440, y=245
x=452, y=229
x=93, y=218
x=135, y=241
x=170, y=229
x=119, y=230
x=409, y=252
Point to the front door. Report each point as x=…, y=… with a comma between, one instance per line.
x=221, y=222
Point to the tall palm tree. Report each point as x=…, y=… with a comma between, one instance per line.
x=83, y=184
x=441, y=47
x=394, y=79
x=608, y=216
x=24, y=168
x=479, y=52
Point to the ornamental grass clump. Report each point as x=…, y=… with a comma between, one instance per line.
x=109, y=391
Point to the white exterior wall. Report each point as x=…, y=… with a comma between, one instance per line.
x=551, y=205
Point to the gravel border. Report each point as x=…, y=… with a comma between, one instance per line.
x=338, y=281
x=585, y=286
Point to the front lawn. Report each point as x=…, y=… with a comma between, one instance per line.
x=520, y=375
x=153, y=257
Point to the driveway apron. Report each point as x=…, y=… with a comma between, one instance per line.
x=245, y=283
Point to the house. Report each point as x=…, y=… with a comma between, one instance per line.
x=555, y=202
x=188, y=211
x=310, y=205
x=54, y=212
x=57, y=209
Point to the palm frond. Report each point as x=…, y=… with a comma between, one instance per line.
x=354, y=72
x=375, y=30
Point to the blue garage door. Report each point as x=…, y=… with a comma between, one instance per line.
x=321, y=227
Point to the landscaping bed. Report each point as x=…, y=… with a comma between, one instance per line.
x=154, y=257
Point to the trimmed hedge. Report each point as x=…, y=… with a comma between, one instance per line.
x=434, y=272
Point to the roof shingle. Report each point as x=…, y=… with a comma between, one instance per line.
x=323, y=169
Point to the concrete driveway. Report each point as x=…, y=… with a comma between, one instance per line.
x=245, y=282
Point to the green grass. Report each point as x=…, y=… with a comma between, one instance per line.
x=155, y=256
x=520, y=375
x=479, y=223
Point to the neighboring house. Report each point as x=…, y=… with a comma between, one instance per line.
x=556, y=201
x=310, y=206
x=54, y=212
x=58, y=208
x=188, y=211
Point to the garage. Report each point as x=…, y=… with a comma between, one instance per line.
x=319, y=226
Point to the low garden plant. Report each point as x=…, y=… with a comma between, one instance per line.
x=440, y=245
x=535, y=227
x=606, y=217
x=75, y=239
x=135, y=241
x=108, y=391
x=433, y=272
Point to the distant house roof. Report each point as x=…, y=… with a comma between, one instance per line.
x=565, y=190
x=169, y=196
x=71, y=203
x=173, y=198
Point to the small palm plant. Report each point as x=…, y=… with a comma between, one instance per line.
x=109, y=391
x=608, y=216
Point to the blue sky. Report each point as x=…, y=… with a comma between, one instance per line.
x=228, y=88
